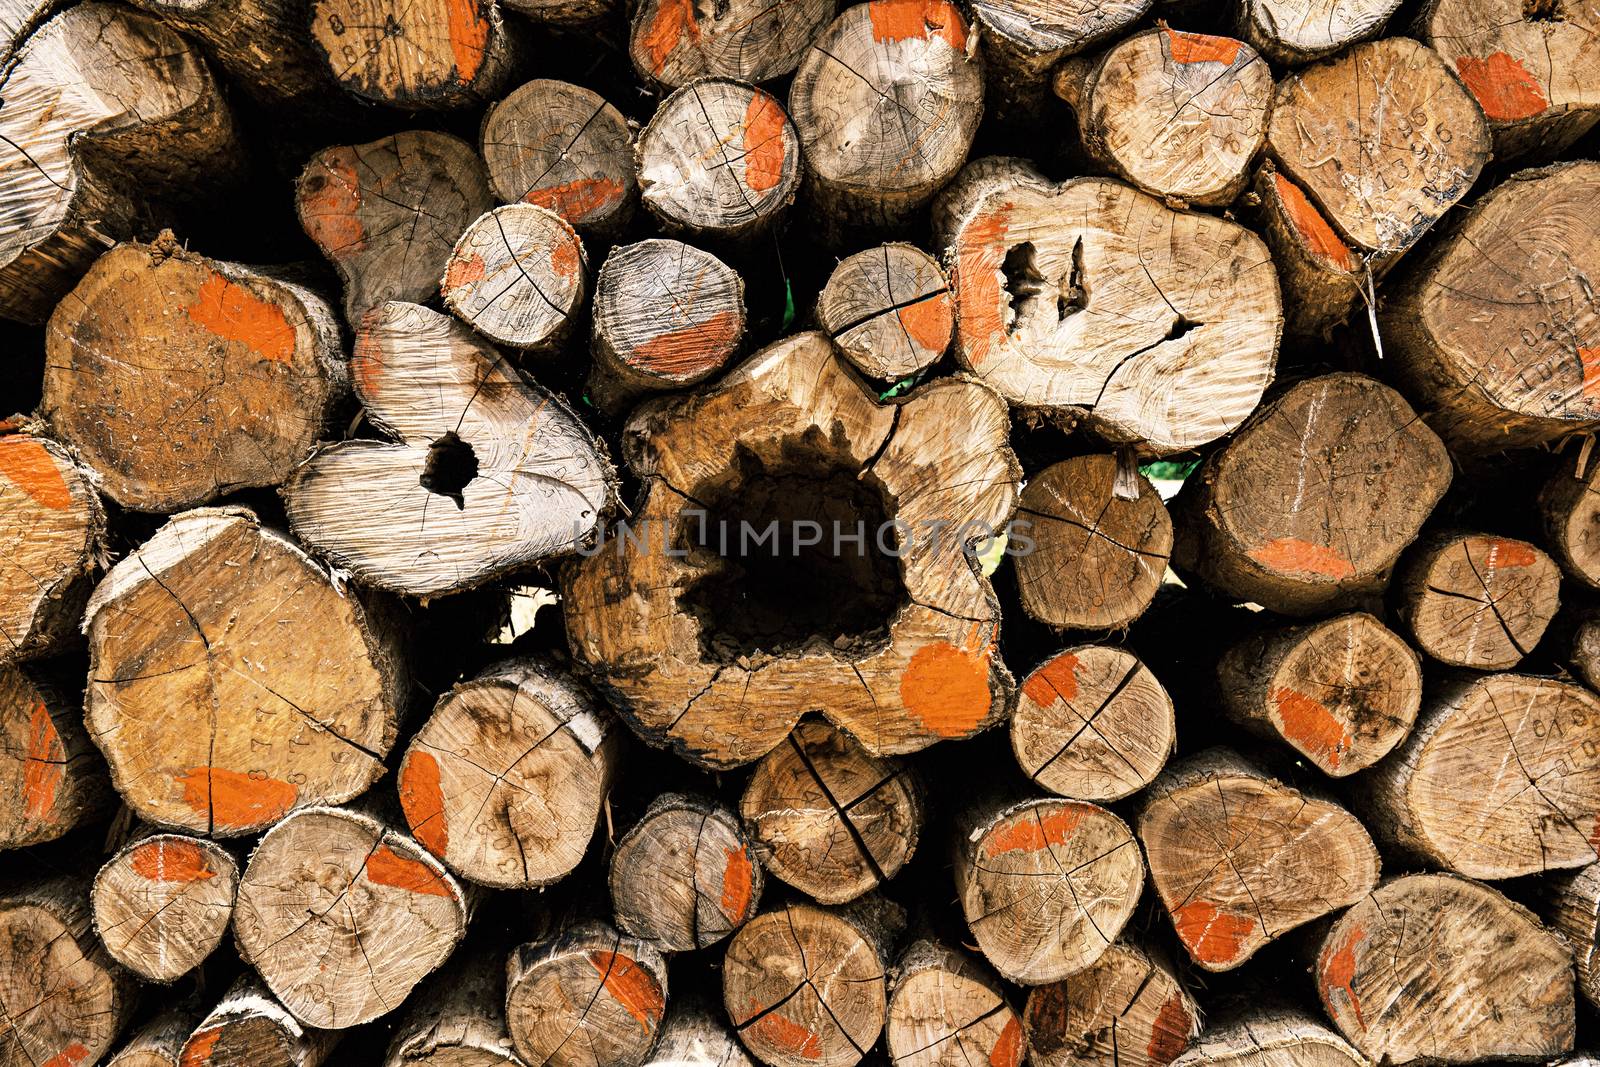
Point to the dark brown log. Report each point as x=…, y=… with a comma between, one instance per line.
x=457, y=1018
x=1128, y=1010
x=518, y=276
x=162, y=903
x=438, y=54
x=1269, y=1037
x=888, y=310
x=160, y=1042
x=590, y=16
x=262, y=44
x=1292, y=32
x=248, y=1028
x=673, y=42
x=52, y=779
x=1569, y=504
x=1316, y=266
x=1024, y=40
x=1477, y=600
x=1571, y=906
x=947, y=1010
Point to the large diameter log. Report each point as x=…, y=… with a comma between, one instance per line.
x=162, y=904
x=947, y=1010
x=160, y=1041
x=897, y=650
x=52, y=779
x=673, y=42
x=1097, y=303
x=1269, y=1037
x=262, y=44
x=1239, y=859
x=887, y=101
x=1500, y=778
x=518, y=275
x=231, y=681
x=387, y=213
x=1307, y=508
x=248, y=1028
x=1045, y=884
x=101, y=105
x=386, y=914
x=179, y=378
x=1431, y=968
x=484, y=471
x=1569, y=505
x=830, y=818
x=1477, y=600
x=1316, y=266
x=1469, y=344
x=1292, y=32
x=1024, y=40
x=1571, y=905
x=888, y=310
x=457, y=1018
x=1128, y=1009
x=433, y=55
x=1342, y=691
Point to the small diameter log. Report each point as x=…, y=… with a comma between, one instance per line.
x=666, y=316
x=1569, y=504
x=386, y=914
x=518, y=276
x=1342, y=692
x=673, y=42
x=1024, y=40
x=1431, y=968
x=1093, y=723
x=1583, y=652
x=1128, y=1010
x=1500, y=778
x=1239, y=859
x=720, y=159
x=1481, y=361
x=1269, y=1037
x=1316, y=267
x=560, y=146
x=505, y=780
x=1097, y=557
x=1292, y=32
x=588, y=997
x=1045, y=884
x=179, y=378
x=52, y=779
x=1572, y=908
x=686, y=875
x=262, y=44
x=830, y=818
x=160, y=1042
x=65, y=998
x=387, y=213
x=695, y=1036
x=52, y=536
x=162, y=904
x=100, y=103
x=1477, y=600
x=888, y=310
x=1180, y=115
x=437, y=54
x=1095, y=302
x=805, y=985
x=457, y=1018
x=887, y=101
x=230, y=680
x=946, y=1010
x=486, y=472
x=1307, y=508
x=248, y=1028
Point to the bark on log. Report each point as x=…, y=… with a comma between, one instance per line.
x=686, y=875
x=1342, y=692
x=1128, y=1010
x=52, y=537
x=830, y=818
x=1583, y=653
x=487, y=473
x=1436, y=969
x=1571, y=906
x=248, y=1028
x=947, y=1010
x=1180, y=115
x=1292, y=32
x=588, y=997
x=387, y=213
x=1097, y=556
x=386, y=915
x=160, y=1042
x=900, y=655
x=1024, y=40
x=888, y=310
x=505, y=780
x=101, y=104
x=180, y=379
x=230, y=680
x=887, y=101
x=1045, y=884
x=1307, y=508
x=518, y=275
x=434, y=55
x=18, y=19
x=1569, y=504
x=720, y=159
x=696, y=1037
x=162, y=903
x=1447, y=793
x=262, y=44
x=52, y=780
x=1239, y=859
x=1492, y=333
x=1316, y=268
x=592, y=16
x=1093, y=723
x=673, y=42
x=1270, y=1037
x=1477, y=600
x=666, y=316
x=1048, y=311
x=560, y=146
x=457, y=1018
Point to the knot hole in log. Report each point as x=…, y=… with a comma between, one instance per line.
x=1542, y=10
x=450, y=466
x=1026, y=282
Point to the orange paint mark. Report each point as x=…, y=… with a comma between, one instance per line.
x=1007, y=1051
x=1030, y=832
x=422, y=799
x=1310, y=726
x=1170, y=1033
x=673, y=19
x=785, y=1035
x=688, y=349
x=463, y=271
x=234, y=313
x=1057, y=679
x=236, y=801
x=980, y=300
x=929, y=322
x=737, y=884
x=577, y=200
x=172, y=861
x=1339, y=972
x=564, y=257
x=469, y=34
x=28, y=465
x=1589, y=361
x=1303, y=557
x=197, y=1053
x=44, y=765
x=331, y=205
x=763, y=143
x=1202, y=48
x=1504, y=88
x=1211, y=934
x=1314, y=229
x=366, y=362
x=70, y=1056
x=387, y=867
x=947, y=688
x=1505, y=552
x=900, y=20
x=630, y=985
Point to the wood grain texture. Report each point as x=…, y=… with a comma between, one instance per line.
x=888, y=310
x=52, y=778
x=249, y=1028
x=947, y=1010
x=518, y=276
x=437, y=54
x=163, y=902
x=1129, y=1008
x=1475, y=599
x=673, y=42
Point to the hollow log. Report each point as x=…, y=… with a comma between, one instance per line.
x=457, y=1018
x=52, y=779
x=230, y=681
x=947, y=1010
x=435, y=55
x=248, y=1028
x=1477, y=600
x=160, y=1042
x=518, y=275
x=179, y=379
x=1317, y=269
x=262, y=44
x=1269, y=1037
x=162, y=903
x=888, y=310
x=1128, y=1010
x=1569, y=504
x=673, y=42
x=1024, y=40
x=830, y=818
x=1294, y=32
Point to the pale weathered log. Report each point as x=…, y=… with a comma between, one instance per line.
x=1569, y=504
x=160, y=1042
x=1571, y=905
x=162, y=903
x=52, y=779
x=518, y=275
x=1269, y=1037
x=248, y=1028
x=1128, y=1010
x=947, y=1010
x=1024, y=40
x=696, y=1036
x=457, y=1018
x=435, y=54
x=673, y=42
x=1476, y=600
x=263, y=44
x=888, y=310
x=1292, y=32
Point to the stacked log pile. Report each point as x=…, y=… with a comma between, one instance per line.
x=933, y=532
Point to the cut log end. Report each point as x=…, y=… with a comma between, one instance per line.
x=888, y=310
x=518, y=275
x=436, y=54
x=1127, y=1010
x=248, y=1028
x=457, y=1019
x=52, y=780
x=162, y=904
x=1477, y=600
x=1569, y=504
x=946, y=1010
x=673, y=42
x=1269, y=1036
x=1292, y=32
